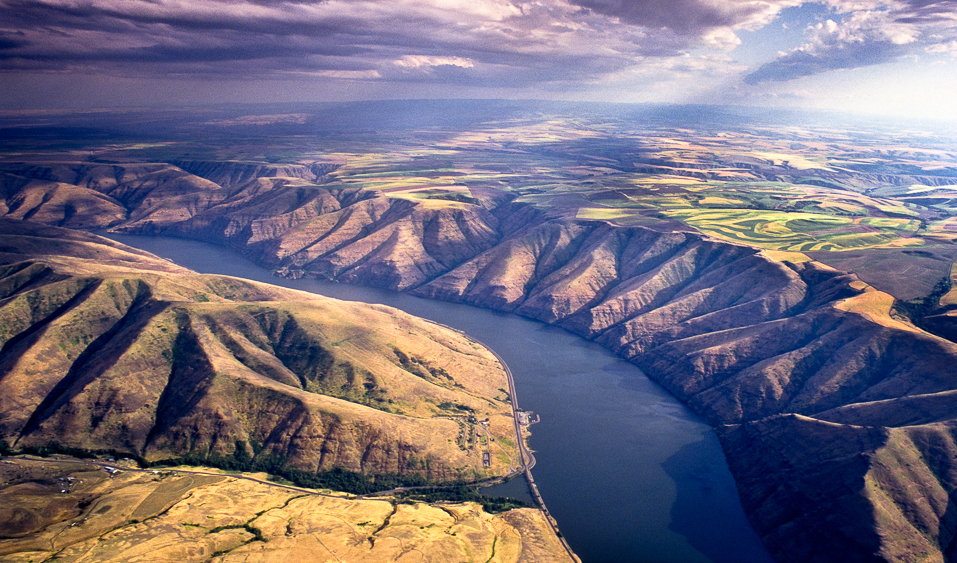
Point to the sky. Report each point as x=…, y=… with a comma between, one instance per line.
x=887, y=57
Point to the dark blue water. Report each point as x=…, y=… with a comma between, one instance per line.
x=630, y=474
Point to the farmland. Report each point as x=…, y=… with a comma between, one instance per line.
x=819, y=187
x=794, y=188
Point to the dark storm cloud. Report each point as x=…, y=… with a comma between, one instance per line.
x=683, y=16
x=497, y=36
x=151, y=41
x=204, y=50
x=119, y=18
x=11, y=42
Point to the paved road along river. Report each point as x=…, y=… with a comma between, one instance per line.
x=629, y=473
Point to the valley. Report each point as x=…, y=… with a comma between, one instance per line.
x=761, y=274
x=108, y=350
x=647, y=479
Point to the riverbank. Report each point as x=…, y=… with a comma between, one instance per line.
x=527, y=458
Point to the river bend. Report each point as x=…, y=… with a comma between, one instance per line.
x=629, y=473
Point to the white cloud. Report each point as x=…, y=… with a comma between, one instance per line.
x=848, y=6
x=350, y=74
x=722, y=39
x=867, y=32
x=859, y=27
x=422, y=61
x=944, y=47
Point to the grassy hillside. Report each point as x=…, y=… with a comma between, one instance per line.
x=149, y=359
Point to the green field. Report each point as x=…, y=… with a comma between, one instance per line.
x=797, y=231
x=721, y=185
x=794, y=188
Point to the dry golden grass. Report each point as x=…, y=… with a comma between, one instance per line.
x=175, y=516
x=904, y=491
x=394, y=384
x=875, y=306
x=950, y=298
x=785, y=256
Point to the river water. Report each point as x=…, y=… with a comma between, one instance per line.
x=629, y=473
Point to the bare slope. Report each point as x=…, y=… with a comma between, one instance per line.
x=289, y=222
x=147, y=358
x=822, y=398
x=823, y=389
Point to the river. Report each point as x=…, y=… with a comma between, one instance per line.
x=629, y=473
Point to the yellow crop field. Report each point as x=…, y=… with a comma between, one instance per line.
x=795, y=231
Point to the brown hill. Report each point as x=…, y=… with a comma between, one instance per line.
x=147, y=358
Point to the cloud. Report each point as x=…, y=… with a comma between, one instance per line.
x=498, y=39
x=362, y=37
x=690, y=17
x=11, y=42
x=948, y=47
x=419, y=61
x=547, y=45
x=869, y=32
x=350, y=74
x=800, y=63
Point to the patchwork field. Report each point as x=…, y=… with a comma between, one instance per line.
x=810, y=188
x=804, y=188
x=792, y=189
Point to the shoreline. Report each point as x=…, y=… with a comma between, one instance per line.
x=526, y=457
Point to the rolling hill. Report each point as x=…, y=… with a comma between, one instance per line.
x=105, y=348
